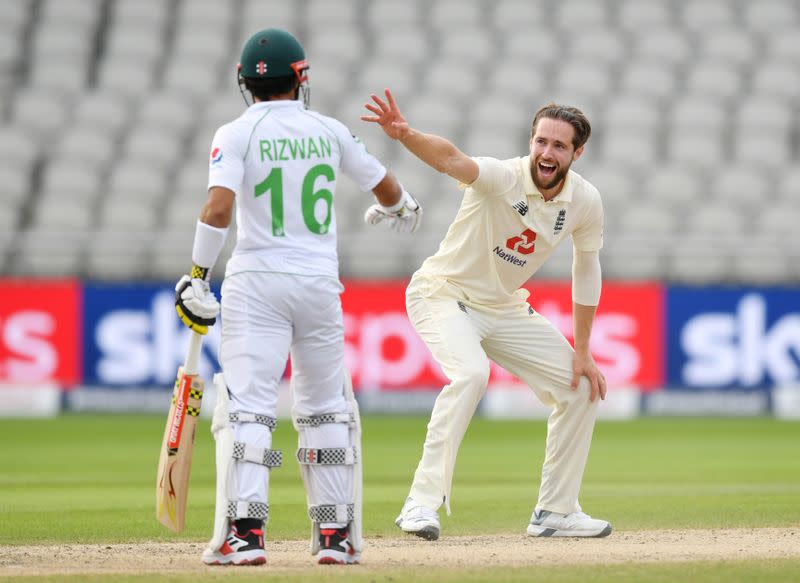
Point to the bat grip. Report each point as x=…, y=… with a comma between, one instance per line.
x=191, y=365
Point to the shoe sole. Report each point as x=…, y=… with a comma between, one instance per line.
x=251, y=558
x=428, y=532
x=328, y=557
x=244, y=563
x=540, y=531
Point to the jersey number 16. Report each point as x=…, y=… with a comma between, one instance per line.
x=273, y=184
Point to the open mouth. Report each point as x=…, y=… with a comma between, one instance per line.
x=546, y=170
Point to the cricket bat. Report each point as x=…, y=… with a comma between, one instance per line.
x=175, y=462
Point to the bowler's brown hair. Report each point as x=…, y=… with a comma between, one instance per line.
x=572, y=115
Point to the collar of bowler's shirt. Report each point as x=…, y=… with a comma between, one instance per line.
x=530, y=188
x=282, y=103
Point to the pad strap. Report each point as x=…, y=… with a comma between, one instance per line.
x=341, y=513
x=272, y=458
x=241, y=417
x=327, y=456
x=245, y=509
x=317, y=420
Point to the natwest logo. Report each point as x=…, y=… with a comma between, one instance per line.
x=522, y=243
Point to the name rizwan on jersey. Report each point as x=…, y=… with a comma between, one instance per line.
x=295, y=148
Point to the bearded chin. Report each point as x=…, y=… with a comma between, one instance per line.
x=558, y=177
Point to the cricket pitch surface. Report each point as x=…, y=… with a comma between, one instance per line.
x=383, y=553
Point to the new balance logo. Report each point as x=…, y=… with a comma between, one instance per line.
x=562, y=216
x=522, y=208
x=461, y=306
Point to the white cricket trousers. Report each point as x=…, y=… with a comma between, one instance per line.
x=265, y=317
x=463, y=337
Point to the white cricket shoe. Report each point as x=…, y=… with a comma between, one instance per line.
x=419, y=520
x=546, y=523
x=239, y=549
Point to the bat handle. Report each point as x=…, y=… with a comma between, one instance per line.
x=192, y=363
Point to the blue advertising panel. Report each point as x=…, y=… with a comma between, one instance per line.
x=133, y=337
x=733, y=338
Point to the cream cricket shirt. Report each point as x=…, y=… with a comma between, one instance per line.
x=504, y=231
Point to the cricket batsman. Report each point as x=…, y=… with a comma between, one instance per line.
x=280, y=163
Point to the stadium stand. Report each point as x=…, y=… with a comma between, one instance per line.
x=107, y=108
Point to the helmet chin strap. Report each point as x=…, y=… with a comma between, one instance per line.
x=305, y=94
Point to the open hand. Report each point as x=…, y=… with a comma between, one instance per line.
x=388, y=116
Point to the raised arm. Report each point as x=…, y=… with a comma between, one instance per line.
x=436, y=151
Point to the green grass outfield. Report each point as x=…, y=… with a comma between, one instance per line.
x=96, y=475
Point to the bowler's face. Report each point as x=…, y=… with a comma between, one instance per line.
x=552, y=153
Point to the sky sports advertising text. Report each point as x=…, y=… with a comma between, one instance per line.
x=647, y=336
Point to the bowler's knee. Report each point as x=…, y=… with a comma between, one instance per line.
x=475, y=374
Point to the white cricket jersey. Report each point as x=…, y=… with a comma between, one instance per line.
x=282, y=162
x=505, y=230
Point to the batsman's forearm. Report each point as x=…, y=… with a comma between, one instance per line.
x=388, y=191
x=583, y=317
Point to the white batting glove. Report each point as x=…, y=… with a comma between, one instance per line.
x=195, y=303
x=403, y=217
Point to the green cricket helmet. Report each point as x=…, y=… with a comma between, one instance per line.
x=272, y=53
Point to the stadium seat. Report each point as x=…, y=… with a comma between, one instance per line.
x=780, y=79
x=512, y=15
x=714, y=79
x=783, y=45
x=472, y=45
x=698, y=112
x=114, y=255
x=387, y=15
x=761, y=262
x=72, y=180
x=53, y=211
x=139, y=180
x=652, y=79
x=39, y=114
x=670, y=46
x=51, y=252
x=633, y=112
x=742, y=187
x=733, y=45
x=18, y=148
x=16, y=180
x=763, y=113
x=772, y=16
x=698, y=261
x=455, y=14
x=639, y=14
x=104, y=110
x=603, y=44
x=768, y=149
x=705, y=15
x=675, y=185
x=697, y=149
x=94, y=147
x=254, y=17
x=581, y=14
